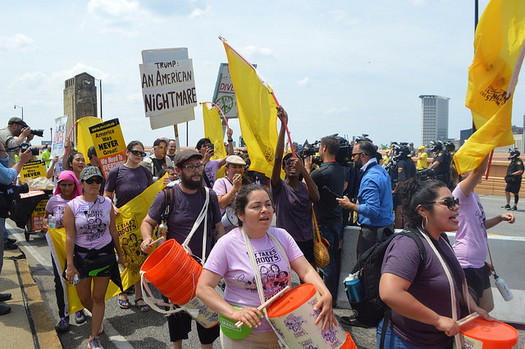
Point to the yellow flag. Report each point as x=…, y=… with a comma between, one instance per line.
x=213, y=131
x=84, y=140
x=499, y=38
x=257, y=112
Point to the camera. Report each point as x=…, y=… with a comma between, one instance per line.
x=8, y=195
x=310, y=149
x=37, y=132
x=425, y=174
x=25, y=146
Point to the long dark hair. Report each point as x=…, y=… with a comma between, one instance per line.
x=415, y=193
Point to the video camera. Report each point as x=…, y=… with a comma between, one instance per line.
x=8, y=195
x=310, y=149
x=425, y=174
x=343, y=156
x=34, y=150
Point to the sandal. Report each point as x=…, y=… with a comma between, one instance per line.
x=142, y=307
x=123, y=303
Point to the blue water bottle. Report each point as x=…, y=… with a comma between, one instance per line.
x=354, y=289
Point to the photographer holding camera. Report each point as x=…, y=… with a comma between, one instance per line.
x=7, y=176
x=16, y=133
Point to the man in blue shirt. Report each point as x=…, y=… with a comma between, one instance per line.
x=374, y=207
x=7, y=176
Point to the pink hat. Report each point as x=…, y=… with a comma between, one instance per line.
x=69, y=176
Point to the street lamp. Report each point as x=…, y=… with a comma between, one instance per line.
x=22, y=110
x=100, y=94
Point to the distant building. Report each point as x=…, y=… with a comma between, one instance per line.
x=434, y=118
x=517, y=132
x=80, y=98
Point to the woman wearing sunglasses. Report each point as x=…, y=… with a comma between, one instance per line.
x=91, y=240
x=425, y=300
x=127, y=181
x=471, y=245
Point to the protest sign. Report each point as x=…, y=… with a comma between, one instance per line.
x=109, y=144
x=37, y=217
x=59, y=137
x=224, y=95
x=33, y=169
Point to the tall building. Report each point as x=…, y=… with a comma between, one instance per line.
x=80, y=99
x=434, y=118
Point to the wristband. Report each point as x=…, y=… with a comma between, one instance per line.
x=230, y=140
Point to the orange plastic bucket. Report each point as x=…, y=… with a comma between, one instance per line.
x=480, y=333
x=349, y=344
x=157, y=265
x=294, y=317
x=179, y=276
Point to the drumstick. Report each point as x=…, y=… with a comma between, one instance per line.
x=238, y=324
x=154, y=242
x=467, y=318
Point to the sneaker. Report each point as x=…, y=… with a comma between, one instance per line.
x=4, y=309
x=101, y=329
x=80, y=318
x=5, y=297
x=94, y=343
x=63, y=325
x=10, y=246
x=514, y=208
x=507, y=207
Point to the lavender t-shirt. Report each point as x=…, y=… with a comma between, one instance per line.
x=229, y=259
x=127, y=183
x=222, y=186
x=471, y=238
x=56, y=205
x=184, y=213
x=211, y=169
x=293, y=210
x=91, y=222
x=430, y=286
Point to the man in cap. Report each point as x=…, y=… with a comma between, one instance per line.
x=513, y=178
x=185, y=201
x=207, y=150
x=422, y=158
x=16, y=133
x=158, y=161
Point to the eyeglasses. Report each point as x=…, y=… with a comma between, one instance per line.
x=192, y=168
x=138, y=153
x=450, y=202
x=96, y=179
x=354, y=154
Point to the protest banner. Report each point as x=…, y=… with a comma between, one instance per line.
x=109, y=144
x=224, y=94
x=168, y=86
x=57, y=147
x=38, y=214
x=33, y=169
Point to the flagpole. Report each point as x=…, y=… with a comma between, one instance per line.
x=273, y=95
x=220, y=110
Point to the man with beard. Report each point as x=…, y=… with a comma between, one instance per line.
x=330, y=179
x=172, y=149
x=158, y=160
x=188, y=198
x=374, y=207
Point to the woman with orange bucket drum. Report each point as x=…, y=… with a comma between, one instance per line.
x=275, y=254
x=426, y=297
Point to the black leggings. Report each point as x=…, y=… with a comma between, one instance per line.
x=59, y=291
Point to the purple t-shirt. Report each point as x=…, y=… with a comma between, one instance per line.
x=471, y=238
x=56, y=205
x=222, y=186
x=431, y=288
x=184, y=213
x=91, y=222
x=211, y=169
x=127, y=183
x=229, y=259
x=293, y=210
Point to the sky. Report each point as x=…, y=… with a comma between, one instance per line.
x=346, y=67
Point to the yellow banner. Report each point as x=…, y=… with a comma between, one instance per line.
x=33, y=169
x=84, y=140
x=37, y=217
x=257, y=112
x=213, y=131
x=109, y=144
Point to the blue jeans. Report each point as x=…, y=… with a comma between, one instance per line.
x=393, y=341
x=332, y=233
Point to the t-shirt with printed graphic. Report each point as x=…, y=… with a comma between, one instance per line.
x=57, y=205
x=229, y=258
x=91, y=222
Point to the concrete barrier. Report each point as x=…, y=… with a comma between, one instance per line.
x=508, y=255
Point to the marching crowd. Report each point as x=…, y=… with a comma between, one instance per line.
x=234, y=216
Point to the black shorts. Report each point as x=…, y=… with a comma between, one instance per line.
x=179, y=325
x=478, y=280
x=513, y=187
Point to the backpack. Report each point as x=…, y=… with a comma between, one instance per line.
x=371, y=309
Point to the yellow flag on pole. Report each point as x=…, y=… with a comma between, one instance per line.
x=498, y=42
x=257, y=112
x=213, y=131
x=84, y=140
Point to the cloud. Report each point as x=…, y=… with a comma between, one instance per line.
x=304, y=81
x=16, y=42
x=254, y=52
x=199, y=12
x=341, y=16
x=113, y=8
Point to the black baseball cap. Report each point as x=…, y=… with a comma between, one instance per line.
x=16, y=120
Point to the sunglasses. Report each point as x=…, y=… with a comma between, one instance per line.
x=450, y=202
x=96, y=179
x=138, y=153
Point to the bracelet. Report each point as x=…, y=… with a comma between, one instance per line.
x=230, y=140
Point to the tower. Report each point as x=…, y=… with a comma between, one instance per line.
x=80, y=98
x=434, y=118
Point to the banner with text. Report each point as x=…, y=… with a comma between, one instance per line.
x=109, y=144
x=33, y=169
x=224, y=95
x=59, y=137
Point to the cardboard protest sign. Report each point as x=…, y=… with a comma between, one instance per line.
x=109, y=144
x=59, y=137
x=33, y=169
x=37, y=217
x=224, y=95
